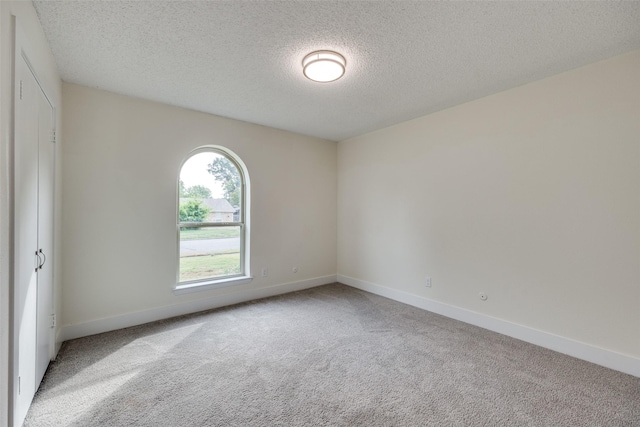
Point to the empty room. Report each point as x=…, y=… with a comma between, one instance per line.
x=319, y=213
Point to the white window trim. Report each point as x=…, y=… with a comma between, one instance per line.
x=188, y=288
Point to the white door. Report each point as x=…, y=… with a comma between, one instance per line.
x=46, y=162
x=26, y=260
x=33, y=234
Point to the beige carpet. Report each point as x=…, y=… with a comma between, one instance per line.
x=328, y=356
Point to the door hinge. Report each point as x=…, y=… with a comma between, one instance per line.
x=53, y=136
x=19, y=385
x=20, y=89
x=53, y=320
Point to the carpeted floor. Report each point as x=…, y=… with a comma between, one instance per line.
x=328, y=356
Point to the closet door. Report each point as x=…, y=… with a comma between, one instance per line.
x=26, y=261
x=46, y=162
x=34, y=151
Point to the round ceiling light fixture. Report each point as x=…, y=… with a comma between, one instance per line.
x=323, y=66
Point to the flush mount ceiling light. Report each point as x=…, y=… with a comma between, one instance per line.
x=323, y=66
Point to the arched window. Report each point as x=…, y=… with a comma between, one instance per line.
x=212, y=219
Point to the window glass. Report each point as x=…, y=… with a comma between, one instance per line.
x=208, y=252
x=210, y=217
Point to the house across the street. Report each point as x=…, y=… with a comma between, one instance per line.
x=220, y=210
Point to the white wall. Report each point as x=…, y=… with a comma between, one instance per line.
x=531, y=195
x=45, y=67
x=122, y=159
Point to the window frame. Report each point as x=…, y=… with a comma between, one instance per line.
x=221, y=281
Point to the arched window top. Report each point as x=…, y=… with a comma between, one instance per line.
x=212, y=218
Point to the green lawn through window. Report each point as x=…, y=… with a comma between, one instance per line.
x=205, y=266
x=209, y=233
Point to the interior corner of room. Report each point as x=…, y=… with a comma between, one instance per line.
x=518, y=211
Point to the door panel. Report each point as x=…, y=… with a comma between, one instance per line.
x=46, y=163
x=25, y=234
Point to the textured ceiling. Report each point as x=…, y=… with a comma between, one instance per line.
x=241, y=59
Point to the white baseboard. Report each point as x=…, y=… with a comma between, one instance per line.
x=580, y=350
x=98, y=326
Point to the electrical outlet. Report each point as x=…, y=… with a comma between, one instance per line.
x=427, y=283
x=265, y=272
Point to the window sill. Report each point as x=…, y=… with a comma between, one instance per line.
x=212, y=284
